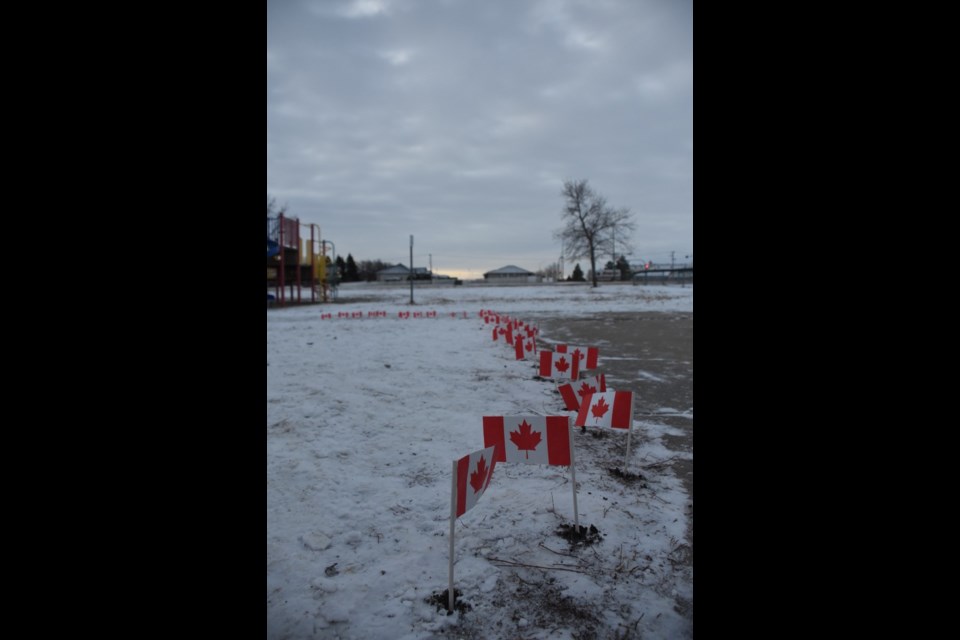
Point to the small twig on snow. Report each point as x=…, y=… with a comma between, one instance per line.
x=660, y=463
x=534, y=566
x=557, y=552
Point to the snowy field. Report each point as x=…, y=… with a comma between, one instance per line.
x=364, y=418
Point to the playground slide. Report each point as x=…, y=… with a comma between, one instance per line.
x=273, y=248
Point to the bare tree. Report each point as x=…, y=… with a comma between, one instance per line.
x=590, y=226
x=551, y=271
x=272, y=210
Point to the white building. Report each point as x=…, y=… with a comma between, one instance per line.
x=510, y=274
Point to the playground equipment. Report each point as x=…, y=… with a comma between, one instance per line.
x=294, y=260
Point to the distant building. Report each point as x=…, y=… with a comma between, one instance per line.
x=393, y=274
x=398, y=272
x=510, y=273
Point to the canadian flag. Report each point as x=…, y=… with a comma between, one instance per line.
x=473, y=475
x=573, y=392
x=528, y=439
x=590, y=354
x=558, y=365
x=530, y=333
x=530, y=346
x=607, y=409
x=524, y=346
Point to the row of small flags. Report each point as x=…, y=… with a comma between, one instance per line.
x=516, y=333
x=403, y=315
x=518, y=438
x=596, y=405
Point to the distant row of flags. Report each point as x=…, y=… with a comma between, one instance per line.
x=402, y=315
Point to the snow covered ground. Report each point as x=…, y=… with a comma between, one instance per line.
x=364, y=418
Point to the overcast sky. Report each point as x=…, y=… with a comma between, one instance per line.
x=456, y=121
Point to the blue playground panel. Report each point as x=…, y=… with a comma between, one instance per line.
x=273, y=248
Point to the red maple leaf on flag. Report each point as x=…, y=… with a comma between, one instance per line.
x=586, y=390
x=525, y=440
x=562, y=365
x=599, y=409
x=529, y=346
x=578, y=354
x=478, y=476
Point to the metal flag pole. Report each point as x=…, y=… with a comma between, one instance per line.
x=627, y=458
x=573, y=479
x=573, y=470
x=453, y=522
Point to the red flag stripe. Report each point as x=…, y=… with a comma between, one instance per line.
x=546, y=363
x=569, y=397
x=493, y=435
x=622, y=410
x=558, y=440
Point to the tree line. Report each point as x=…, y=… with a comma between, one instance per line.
x=350, y=270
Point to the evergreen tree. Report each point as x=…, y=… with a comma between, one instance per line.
x=352, y=274
x=578, y=274
x=341, y=268
x=624, y=267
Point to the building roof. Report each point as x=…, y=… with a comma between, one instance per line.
x=509, y=270
x=397, y=268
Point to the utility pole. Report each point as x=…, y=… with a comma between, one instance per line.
x=431, y=267
x=411, y=269
x=561, y=258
